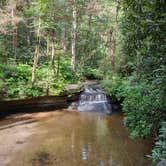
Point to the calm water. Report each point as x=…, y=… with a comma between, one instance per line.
x=82, y=139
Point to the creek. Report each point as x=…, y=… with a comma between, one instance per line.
x=88, y=137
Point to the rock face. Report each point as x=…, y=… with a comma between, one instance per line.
x=162, y=163
x=38, y=104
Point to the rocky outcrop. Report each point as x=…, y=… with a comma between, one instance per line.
x=162, y=163
x=38, y=104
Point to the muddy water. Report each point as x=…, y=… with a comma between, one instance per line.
x=82, y=139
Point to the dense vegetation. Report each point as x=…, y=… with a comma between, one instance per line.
x=45, y=44
x=140, y=81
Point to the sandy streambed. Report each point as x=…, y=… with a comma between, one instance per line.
x=15, y=132
x=12, y=139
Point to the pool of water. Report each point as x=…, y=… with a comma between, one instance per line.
x=82, y=139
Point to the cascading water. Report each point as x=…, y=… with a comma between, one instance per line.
x=93, y=99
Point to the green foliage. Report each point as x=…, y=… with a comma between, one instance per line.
x=52, y=20
x=90, y=73
x=159, y=151
x=143, y=109
x=66, y=73
x=142, y=103
x=143, y=35
x=33, y=91
x=142, y=27
x=57, y=87
x=23, y=72
x=117, y=87
x=16, y=81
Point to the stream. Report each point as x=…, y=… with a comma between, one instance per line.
x=72, y=138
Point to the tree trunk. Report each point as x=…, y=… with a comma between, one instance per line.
x=73, y=47
x=35, y=61
x=36, y=55
x=86, y=49
x=117, y=11
x=15, y=43
x=47, y=55
x=64, y=41
x=53, y=62
x=14, y=36
x=112, y=50
x=113, y=38
x=58, y=67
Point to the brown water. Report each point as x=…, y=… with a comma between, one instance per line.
x=82, y=139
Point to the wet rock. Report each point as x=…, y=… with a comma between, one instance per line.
x=19, y=142
x=72, y=87
x=162, y=163
x=92, y=98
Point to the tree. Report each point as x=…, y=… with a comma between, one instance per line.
x=37, y=47
x=73, y=45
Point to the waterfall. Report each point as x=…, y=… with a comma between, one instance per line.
x=92, y=99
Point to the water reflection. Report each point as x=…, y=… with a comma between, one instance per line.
x=86, y=139
x=84, y=153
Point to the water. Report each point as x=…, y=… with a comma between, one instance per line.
x=82, y=139
x=92, y=99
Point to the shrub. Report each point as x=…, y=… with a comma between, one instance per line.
x=116, y=87
x=143, y=108
x=33, y=91
x=142, y=103
x=159, y=151
x=91, y=73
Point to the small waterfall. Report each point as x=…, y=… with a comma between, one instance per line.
x=92, y=99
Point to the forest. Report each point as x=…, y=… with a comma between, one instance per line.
x=46, y=44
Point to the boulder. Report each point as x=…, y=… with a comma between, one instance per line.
x=162, y=163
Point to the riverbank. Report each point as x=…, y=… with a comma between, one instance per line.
x=38, y=104
x=47, y=103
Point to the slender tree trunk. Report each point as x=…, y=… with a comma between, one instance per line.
x=53, y=62
x=36, y=55
x=86, y=49
x=117, y=11
x=47, y=55
x=73, y=47
x=35, y=61
x=58, y=67
x=64, y=41
x=113, y=38
x=14, y=36
x=28, y=34
x=112, y=50
x=15, y=43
